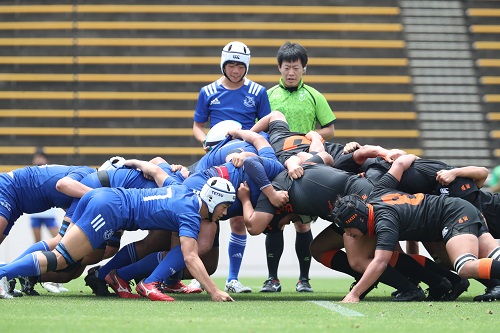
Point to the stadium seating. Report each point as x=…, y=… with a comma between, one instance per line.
x=122, y=77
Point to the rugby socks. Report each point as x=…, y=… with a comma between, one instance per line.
x=489, y=268
x=395, y=279
x=26, y=266
x=142, y=268
x=40, y=246
x=489, y=283
x=126, y=256
x=436, y=268
x=337, y=260
x=236, y=249
x=412, y=269
x=174, y=278
x=172, y=263
x=302, y=243
x=274, y=250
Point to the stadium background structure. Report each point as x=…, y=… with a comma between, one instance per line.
x=91, y=80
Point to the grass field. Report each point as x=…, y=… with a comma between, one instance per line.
x=288, y=311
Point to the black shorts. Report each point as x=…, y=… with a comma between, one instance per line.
x=467, y=219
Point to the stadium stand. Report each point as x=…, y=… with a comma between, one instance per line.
x=87, y=80
x=484, y=18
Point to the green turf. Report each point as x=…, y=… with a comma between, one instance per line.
x=288, y=311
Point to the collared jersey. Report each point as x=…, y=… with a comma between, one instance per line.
x=244, y=105
x=302, y=108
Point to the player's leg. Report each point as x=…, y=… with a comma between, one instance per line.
x=36, y=228
x=236, y=249
x=274, y=245
x=3, y=227
x=303, y=240
x=360, y=252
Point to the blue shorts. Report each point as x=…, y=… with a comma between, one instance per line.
x=98, y=214
x=50, y=222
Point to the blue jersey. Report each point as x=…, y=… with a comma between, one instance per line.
x=127, y=178
x=33, y=190
x=218, y=154
x=243, y=105
x=237, y=176
x=103, y=211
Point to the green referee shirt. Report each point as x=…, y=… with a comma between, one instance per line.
x=302, y=106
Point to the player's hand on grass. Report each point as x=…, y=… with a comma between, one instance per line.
x=221, y=296
x=350, y=298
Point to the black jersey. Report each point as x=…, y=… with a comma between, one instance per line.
x=420, y=177
x=489, y=204
x=421, y=217
x=286, y=143
x=315, y=192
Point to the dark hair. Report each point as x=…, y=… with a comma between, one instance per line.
x=40, y=153
x=291, y=52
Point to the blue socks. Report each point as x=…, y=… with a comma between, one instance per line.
x=126, y=256
x=142, y=268
x=172, y=263
x=40, y=246
x=236, y=248
x=26, y=266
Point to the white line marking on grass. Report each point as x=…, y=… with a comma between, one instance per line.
x=337, y=308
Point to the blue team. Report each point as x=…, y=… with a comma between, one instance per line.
x=101, y=212
x=232, y=97
x=35, y=189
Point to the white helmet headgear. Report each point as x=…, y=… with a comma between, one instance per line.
x=114, y=162
x=217, y=191
x=235, y=52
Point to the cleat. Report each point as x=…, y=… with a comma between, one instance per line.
x=180, y=288
x=51, y=287
x=363, y=295
x=4, y=288
x=235, y=286
x=98, y=286
x=120, y=286
x=28, y=285
x=12, y=289
x=195, y=284
x=62, y=288
x=271, y=285
x=457, y=289
x=491, y=294
x=152, y=291
x=439, y=292
x=414, y=295
x=303, y=286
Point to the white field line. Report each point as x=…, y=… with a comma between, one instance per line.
x=337, y=308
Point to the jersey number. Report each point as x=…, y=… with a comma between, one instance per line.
x=402, y=198
x=294, y=141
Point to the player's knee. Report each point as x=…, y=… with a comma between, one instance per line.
x=66, y=255
x=51, y=260
x=465, y=265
